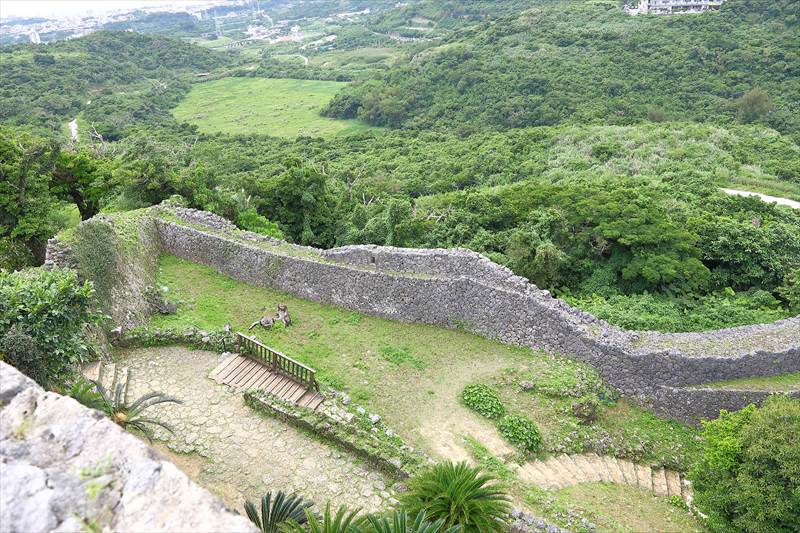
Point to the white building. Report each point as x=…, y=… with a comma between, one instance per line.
x=670, y=7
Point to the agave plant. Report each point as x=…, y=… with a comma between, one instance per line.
x=400, y=524
x=459, y=495
x=130, y=414
x=278, y=511
x=342, y=522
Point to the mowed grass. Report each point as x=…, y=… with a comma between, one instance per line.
x=277, y=107
x=413, y=374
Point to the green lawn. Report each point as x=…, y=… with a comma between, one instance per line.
x=413, y=374
x=282, y=108
x=779, y=383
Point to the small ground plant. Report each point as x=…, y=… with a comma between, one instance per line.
x=521, y=431
x=484, y=400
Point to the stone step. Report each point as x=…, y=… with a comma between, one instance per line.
x=613, y=468
x=92, y=371
x=555, y=466
x=600, y=467
x=660, y=483
x=644, y=475
x=568, y=464
x=629, y=470
x=589, y=474
x=106, y=376
x=565, y=470
x=673, y=483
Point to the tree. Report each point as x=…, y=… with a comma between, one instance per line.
x=26, y=203
x=748, y=478
x=79, y=177
x=753, y=106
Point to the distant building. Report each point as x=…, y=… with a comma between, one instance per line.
x=672, y=7
x=34, y=37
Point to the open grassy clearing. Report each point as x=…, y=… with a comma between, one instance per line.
x=779, y=383
x=413, y=374
x=622, y=508
x=278, y=107
x=360, y=58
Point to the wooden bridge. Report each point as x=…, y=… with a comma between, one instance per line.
x=257, y=366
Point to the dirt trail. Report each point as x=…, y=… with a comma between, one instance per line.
x=765, y=197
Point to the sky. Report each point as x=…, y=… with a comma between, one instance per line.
x=67, y=8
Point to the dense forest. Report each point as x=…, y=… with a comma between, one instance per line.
x=581, y=62
x=579, y=146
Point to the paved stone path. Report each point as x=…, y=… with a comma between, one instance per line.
x=565, y=470
x=246, y=453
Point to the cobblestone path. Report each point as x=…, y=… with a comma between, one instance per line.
x=244, y=453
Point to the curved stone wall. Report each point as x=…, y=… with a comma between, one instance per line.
x=461, y=288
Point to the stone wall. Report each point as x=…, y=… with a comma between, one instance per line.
x=691, y=404
x=463, y=289
x=65, y=467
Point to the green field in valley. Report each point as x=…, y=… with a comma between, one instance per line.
x=278, y=107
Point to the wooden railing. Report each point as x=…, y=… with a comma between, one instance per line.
x=277, y=361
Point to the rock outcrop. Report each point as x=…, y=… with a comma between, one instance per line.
x=65, y=467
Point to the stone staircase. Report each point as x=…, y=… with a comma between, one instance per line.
x=561, y=471
x=107, y=374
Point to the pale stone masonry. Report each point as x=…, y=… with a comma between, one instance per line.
x=65, y=467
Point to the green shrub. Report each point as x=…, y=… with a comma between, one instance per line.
x=458, y=494
x=748, y=478
x=522, y=432
x=484, y=400
x=43, y=317
x=250, y=220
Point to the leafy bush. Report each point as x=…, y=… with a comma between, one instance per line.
x=484, y=400
x=277, y=512
x=48, y=311
x=458, y=494
x=521, y=431
x=748, y=478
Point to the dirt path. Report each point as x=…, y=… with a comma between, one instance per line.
x=73, y=129
x=237, y=453
x=775, y=199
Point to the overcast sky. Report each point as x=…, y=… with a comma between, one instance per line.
x=61, y=8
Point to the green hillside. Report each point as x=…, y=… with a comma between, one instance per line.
x=578, y=61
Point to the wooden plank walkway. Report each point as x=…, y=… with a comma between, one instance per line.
x=243, y=373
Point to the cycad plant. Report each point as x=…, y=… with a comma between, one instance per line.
x=130, y=415
x=459, y=495
x=277, y=511
x=342, y=522
x=399, y=523
x=85, y=392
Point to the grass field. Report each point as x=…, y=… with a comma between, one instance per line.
x=277, y=107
